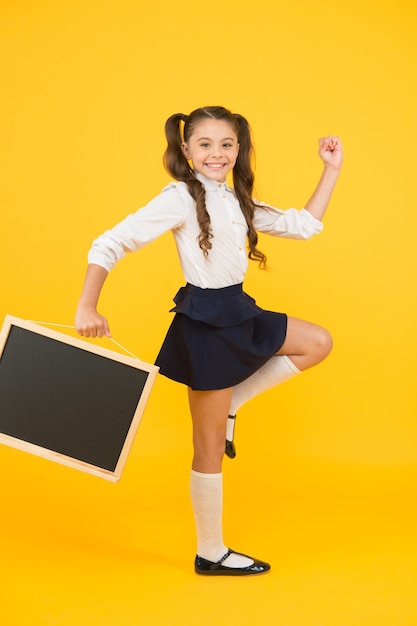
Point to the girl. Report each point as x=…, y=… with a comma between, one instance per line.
x=224, y=347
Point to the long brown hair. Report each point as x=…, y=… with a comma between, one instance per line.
x=243, y=178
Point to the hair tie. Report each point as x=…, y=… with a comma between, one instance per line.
x=184, y=117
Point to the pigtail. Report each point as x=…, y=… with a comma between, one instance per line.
x=243, y=180
x=174, y=160
x=179, y=168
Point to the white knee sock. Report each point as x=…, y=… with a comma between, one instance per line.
x=275, y=371
x=207, y=500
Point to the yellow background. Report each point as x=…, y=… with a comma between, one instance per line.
x=325, y=479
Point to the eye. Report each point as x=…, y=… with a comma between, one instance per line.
x=204, y=145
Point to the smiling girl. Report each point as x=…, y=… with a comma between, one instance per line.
x=220, y=344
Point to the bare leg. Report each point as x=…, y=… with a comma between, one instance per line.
x=209, y=410
x=306, y=344
x=209, y=414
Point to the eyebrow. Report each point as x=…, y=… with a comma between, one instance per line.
x=209, y=139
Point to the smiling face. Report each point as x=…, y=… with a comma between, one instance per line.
x=212, y=148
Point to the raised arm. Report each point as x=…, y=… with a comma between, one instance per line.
x=330, y=151
x=88, y=322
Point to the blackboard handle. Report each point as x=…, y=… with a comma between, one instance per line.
x=72, y=327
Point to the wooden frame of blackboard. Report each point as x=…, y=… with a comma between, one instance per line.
x=37, y=373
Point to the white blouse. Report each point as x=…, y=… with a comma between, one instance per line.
x=174, y=209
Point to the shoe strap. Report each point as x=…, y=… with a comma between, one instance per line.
x=224, y=557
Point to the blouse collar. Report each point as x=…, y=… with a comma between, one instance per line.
x=210, y=185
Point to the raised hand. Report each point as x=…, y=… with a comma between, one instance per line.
x=330, y=151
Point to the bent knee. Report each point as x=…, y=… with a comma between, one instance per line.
x=323, y=342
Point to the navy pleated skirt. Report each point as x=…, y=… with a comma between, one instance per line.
x=218, y=337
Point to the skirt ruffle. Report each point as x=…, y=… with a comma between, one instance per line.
x=224, y=307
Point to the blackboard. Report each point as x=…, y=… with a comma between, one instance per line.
x=69, y=400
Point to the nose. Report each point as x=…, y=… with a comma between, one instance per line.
x=216, y=151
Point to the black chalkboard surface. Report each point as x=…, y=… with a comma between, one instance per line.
x=70, y=401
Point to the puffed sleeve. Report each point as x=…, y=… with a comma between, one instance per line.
x=166, y=211
x=291, y=223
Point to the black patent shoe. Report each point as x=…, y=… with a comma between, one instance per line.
x=208, y=568
x=230, y=449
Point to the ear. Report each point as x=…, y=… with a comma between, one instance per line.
x=186, y=151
